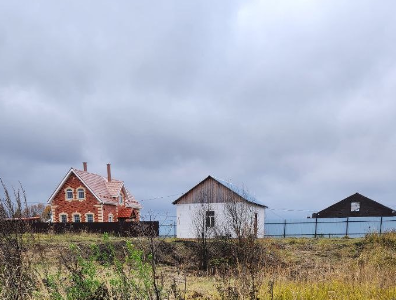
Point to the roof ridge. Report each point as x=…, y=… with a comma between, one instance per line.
x=112, y=179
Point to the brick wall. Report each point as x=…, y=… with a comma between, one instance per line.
x=110, y=209
x=80, y=206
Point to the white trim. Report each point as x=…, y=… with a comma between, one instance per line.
x=76, y=214
x=108, y=217
x=67, y=198
x=93, y=217
x=63, y=182
x=60, y=217
x=78, y=193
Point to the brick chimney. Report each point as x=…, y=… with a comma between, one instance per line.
x=85, y=166
x=108, y=173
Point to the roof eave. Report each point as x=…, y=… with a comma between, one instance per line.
x=60, y=185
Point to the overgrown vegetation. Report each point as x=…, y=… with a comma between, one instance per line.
x=89, y=266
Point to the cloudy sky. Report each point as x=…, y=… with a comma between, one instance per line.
x=295, y=100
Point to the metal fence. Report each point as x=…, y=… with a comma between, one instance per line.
x=320, y=227
x=330, y=227
x=167, y=229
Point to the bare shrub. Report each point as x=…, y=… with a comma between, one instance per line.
x=17, y=277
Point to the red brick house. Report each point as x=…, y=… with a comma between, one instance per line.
x=86, y=197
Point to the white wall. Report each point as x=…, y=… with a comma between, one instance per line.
x=185, y=214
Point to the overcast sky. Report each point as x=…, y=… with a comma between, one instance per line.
x=295, y=100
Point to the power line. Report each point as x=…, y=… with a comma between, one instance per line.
x=161, y=197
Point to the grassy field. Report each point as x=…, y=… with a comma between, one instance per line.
x=89, y=266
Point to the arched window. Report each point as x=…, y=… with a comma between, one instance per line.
x=69, y=194
x=81, y=193
x=120, y=199
x=110, y=217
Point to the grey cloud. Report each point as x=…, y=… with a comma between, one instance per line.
x=293, y=99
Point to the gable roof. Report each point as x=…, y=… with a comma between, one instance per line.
x=357, y=197
x=104, y=191
x=228, y=185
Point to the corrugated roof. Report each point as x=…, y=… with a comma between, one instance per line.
x=240, y=191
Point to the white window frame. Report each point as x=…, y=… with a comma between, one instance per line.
x=120, y=199
x=61, y=215
x=74, y=217
x=110, y=218
x=67, y=190
x=210, y=219
x=89, y=214
x=80, y=189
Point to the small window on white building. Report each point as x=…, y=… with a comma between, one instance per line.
x=76, y=218
x=90, y=218
x=69, y=194
x=355, y=206
x=81, y=193
x=210, y=218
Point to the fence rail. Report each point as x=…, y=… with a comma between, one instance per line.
x=315, y=227
x=334, y=227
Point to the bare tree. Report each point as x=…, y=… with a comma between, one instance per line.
x=241, y=217
x=204, y=225
x=241, y=221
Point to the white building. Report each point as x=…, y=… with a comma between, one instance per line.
x=217, y=207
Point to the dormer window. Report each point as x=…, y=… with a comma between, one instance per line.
x=120, y=199
x=69, y=194
x=81, y=193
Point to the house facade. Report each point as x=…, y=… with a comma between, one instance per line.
x=215, y=206
x=355, y=205
x=86, y=197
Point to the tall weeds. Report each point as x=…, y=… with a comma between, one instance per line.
x=17, y=277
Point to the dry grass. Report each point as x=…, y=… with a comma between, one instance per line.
x=298, y=268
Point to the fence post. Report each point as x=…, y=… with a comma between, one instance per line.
x=347, y=224
x=381, y=226
x=316, y=226
x=284, y=229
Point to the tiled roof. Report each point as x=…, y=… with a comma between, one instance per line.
x=125, y=212
x=105, y=191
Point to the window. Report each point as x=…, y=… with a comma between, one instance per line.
x=63, y=218
x=355, y=206
x=210, y=221
x=110, y=218
x=81, y=194
x=120, y=200
x=89, y=218
x=69, y=194
x=76, y=218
